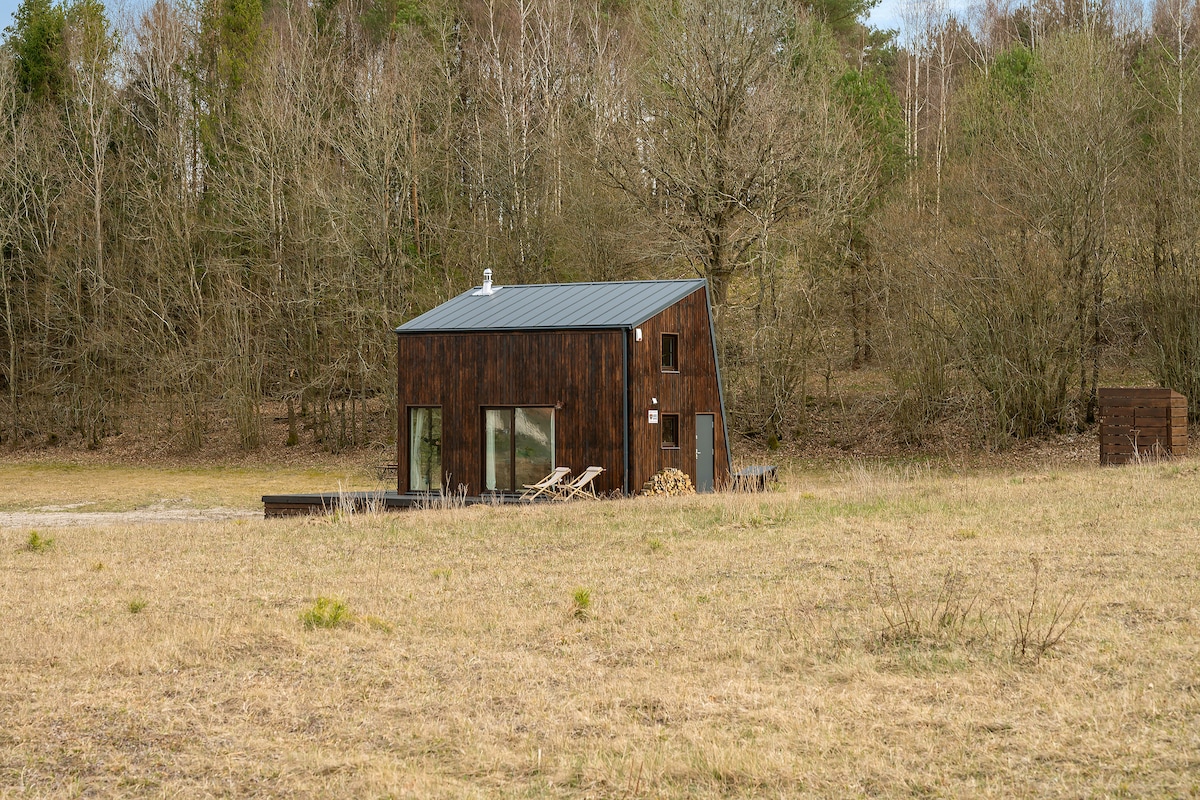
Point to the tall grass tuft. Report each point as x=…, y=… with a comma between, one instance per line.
x=36, y=543
x=327, y=612
x=581, y=602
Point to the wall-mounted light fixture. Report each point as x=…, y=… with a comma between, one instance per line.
x=637, y=334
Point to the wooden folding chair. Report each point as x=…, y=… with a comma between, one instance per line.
x=546, y=485
x=581, y=486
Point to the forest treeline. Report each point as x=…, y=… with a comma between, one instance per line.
x=211, y=206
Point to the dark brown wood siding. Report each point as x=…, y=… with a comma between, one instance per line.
x=692, y=390
x=578, y=372
x=1139, y=423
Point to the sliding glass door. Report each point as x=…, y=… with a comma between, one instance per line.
x=518, y=447
x=533, y=445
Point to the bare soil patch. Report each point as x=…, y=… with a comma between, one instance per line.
x=65, y=517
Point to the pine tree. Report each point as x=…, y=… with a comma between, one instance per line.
x=35, y=39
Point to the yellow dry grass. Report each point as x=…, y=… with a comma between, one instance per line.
x=852, y=635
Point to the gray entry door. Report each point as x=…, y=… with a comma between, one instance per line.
x=704, y=452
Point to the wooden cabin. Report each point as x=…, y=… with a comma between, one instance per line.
x=502, y=384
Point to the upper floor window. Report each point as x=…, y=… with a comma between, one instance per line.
x=670, y=352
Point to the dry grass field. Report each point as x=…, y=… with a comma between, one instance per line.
x=861, y=633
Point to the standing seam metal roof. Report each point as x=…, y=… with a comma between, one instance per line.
x=619, y=304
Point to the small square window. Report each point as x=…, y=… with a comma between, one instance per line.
x=670, y=352
x=670, y=431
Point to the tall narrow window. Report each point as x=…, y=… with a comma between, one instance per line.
x=670, y=431
x=518, y=447
x=425, y=449
x=670, y=352
x=497, y=450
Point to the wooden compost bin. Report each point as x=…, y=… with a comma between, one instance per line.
x=1141, y=423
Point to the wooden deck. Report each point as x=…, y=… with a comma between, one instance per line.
x=294, y=505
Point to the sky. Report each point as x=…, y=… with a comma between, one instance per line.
x=7, y=7
x=884, y=15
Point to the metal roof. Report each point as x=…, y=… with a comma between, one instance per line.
x=620, y=304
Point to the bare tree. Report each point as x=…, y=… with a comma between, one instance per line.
x=8, y=227
x=1062, y=170
x=719, y=111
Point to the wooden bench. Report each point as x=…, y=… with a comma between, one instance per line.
x=755, y=478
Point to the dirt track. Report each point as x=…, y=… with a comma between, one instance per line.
x=64, y=517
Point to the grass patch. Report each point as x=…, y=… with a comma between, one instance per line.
x=36, y=543
x=581, y=602
x=326, y=612
x=378, y=624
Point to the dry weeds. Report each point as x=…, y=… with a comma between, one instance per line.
x=734, y=645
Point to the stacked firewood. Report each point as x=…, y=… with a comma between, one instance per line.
x=670, y=482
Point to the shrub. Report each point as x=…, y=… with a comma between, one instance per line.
x=1039, y=623
x=38, y=543
x=947, y=616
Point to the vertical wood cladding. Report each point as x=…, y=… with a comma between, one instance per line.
x=692, y=390
x=580, y=373
x=577, y=372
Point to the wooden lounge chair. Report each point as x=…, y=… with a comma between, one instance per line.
x=581, y=486
x=548, y=484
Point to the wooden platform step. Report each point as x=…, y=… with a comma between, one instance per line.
x=294, y=505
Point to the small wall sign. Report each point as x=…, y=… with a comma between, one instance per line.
x=653, y=416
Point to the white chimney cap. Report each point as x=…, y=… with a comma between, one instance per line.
x=487, y=285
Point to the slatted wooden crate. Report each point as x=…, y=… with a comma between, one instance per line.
x=1141, y=423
